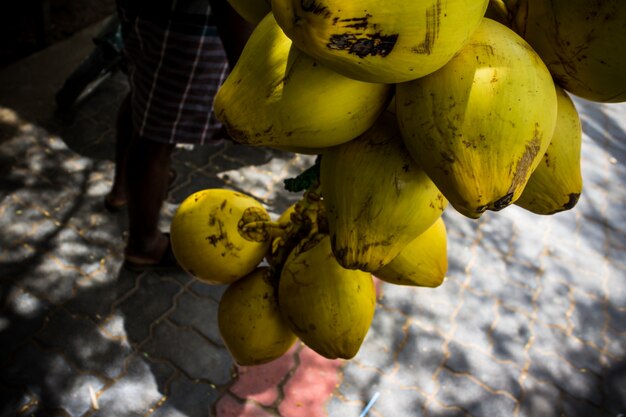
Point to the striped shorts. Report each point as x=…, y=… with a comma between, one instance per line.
x=175, y=66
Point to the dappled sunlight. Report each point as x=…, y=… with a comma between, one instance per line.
x=529, y=319
x=80, y=330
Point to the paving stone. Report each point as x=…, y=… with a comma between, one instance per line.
x=197, y=181
x=616, y=252
x=490, y=277
x=133, y=394
x=339, y=407
x=528, y=245
x=208, y=290
x=474, y=319
x=576, y=408
x=179, y=275
x=82, y=343
x=497, y=376
x=464, y=392
x=614, y=211
x=357, y=384
x=519, y=298
x=21, y=317
x=383, y=340
x=76, y=398
x=580, y=354
x=48, y=375
x=554, y=303
x=14, y=400
x=190, y=352
x=152, y=299
x=201, y=313
x=112, y=327
x=589, y=320
x=616, y=290
x=420, y=358
x=397, y=401
x=162, y=372
x=310, y=386
x=436, y=409
x=614, y=388
x=564, y=228
x=459, y=255
x=460, y=224
x=617, y=318
x=75, y=251
x=592, y=228
x=509, y=335
x=584, y=271
x=51, y=281
x=227, y=406
x=265, y=181
x=187, y=398
x=578, y=383
x=540, y=399
x=19, y=232
x=430, y=307
x=615, y=344
x=188, y=158
x=23, y=220
x=96, y=295
x=261, y=383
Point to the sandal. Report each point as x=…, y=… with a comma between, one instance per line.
x=167, y=262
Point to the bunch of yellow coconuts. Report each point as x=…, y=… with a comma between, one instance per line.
x=410, y=104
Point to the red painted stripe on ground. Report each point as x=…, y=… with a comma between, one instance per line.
x=311, y=386
x=260, y=383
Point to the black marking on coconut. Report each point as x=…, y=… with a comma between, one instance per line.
x=360, y=23
x=433, y=23
x=573, y=199
x=502, y=202
x=312, y=6
x=375, y=44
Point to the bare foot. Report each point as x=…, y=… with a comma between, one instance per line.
x=148, y=253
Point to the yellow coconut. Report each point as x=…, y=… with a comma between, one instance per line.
x=581, y=42
x=480, y=125
x=377, y=198
x=328, y=307
x=557, y=182
x=380, y=41
x=205, y=236
x=250, y=322
x=423, y=262
x=277, y=96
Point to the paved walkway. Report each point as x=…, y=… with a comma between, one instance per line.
x=530, y=322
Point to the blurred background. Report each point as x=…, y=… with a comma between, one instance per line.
x=29, y=26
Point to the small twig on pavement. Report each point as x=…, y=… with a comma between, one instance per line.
x=369, y=405
x=94, y=399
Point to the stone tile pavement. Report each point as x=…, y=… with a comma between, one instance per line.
x=531, y=320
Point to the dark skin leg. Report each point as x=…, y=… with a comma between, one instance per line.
x=124, y=132
x=147, y=182
x=142, y=185
x=142, y=166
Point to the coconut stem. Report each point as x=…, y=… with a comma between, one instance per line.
x=308, y=219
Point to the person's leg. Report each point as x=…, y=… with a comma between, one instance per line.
x=147, y=172
x=116, y=198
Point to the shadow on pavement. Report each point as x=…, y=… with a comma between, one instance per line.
x=71, y=320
